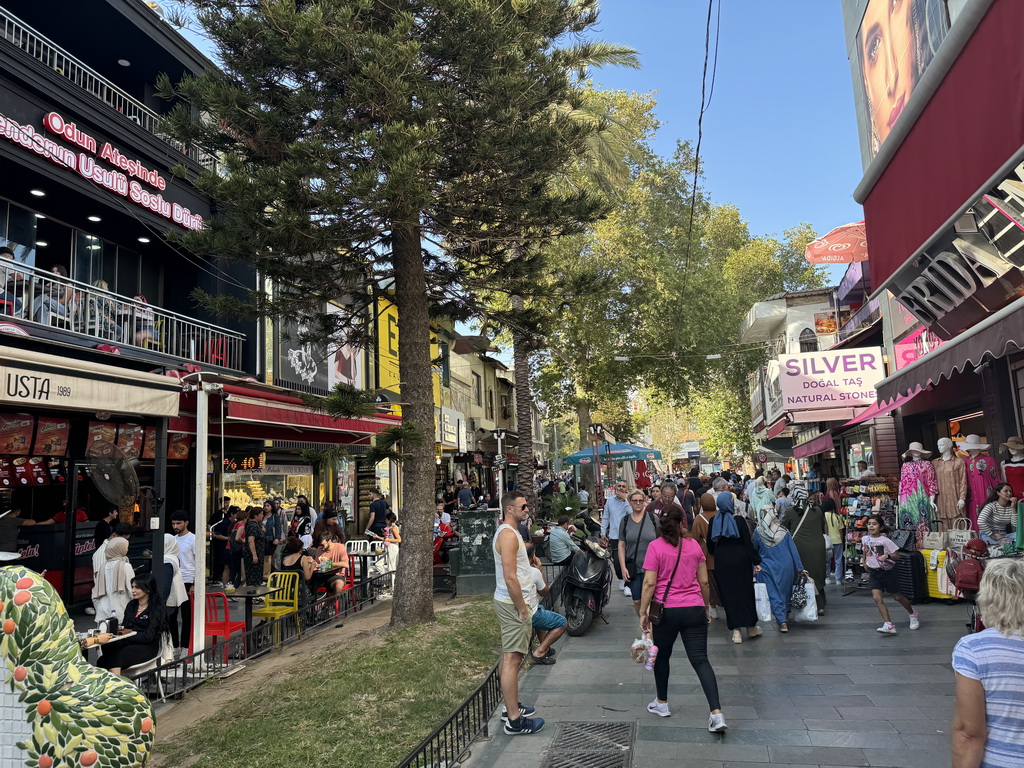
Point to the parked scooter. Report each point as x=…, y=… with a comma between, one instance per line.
x=588, y=584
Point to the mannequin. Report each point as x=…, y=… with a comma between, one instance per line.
x=982, y=476
x=951, y=478
x=1013, y=469
x=917, y=488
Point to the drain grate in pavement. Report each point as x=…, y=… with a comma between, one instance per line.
x=591, y=745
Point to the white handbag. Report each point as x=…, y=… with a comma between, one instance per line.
x=761, y=602
x=810, y=611
x=961, y=533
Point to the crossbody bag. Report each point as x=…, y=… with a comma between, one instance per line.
x=656, y=609
x=631, y=565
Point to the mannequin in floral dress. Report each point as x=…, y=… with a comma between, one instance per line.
x=917, y=488
x=951, y=477
x=982, y=476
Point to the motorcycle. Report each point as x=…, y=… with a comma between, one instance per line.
x=588, y=584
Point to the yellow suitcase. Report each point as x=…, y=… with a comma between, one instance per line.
x=939, y=585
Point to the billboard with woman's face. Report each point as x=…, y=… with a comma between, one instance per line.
x=895, y=43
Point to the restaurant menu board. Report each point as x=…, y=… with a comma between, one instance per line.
x=6, y=474
x=100, y=431
x=30, y=472
x=129, y=439
x=180, y=444
x=16, y=434
x=51, y=436
x=149, y=446
x=366, y=481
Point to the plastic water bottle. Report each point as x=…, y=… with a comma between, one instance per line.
x=112, y=622
x=652, y=656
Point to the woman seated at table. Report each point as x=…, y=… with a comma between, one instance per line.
x=145, y=617
x=112, y=590
x=297, y=561
x=331, y=549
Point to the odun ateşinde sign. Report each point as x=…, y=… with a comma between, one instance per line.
x=838, y=379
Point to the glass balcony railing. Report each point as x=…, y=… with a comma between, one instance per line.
x=32, y=295
x=64, y=64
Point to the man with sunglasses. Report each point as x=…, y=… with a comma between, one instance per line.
x=514, y=592
x=615, y=509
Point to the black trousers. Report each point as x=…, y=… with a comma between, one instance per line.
x=180, y=639
x=613, y=550
x=692, y=624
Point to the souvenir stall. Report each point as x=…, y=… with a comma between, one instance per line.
x=863, y=497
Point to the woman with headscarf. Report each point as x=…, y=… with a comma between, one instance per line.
x=173, y=592
x=112, y=590
x=760, y=496
x=736, y=562
x=780, y=562
x=806, y=522
x=700, y=531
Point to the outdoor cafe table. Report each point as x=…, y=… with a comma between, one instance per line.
x=251, y=593
x=321, y=577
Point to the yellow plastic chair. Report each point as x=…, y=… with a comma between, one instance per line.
x=282, y=603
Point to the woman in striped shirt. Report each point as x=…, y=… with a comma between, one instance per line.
x=998, y=515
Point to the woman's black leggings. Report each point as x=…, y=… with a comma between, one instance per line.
x=692, y=624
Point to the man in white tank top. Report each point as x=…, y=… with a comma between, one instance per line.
x=513, y=588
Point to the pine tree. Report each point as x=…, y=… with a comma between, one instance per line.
x=404, y=144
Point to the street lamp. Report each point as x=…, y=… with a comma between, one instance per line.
x=597, y=432
x=500, y=435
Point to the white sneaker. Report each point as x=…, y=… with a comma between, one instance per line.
x=887, y=629
x=829, y=580
x=716, y=723
x=622, y=585
x=659, y=708
x=714, y=612
x=90, y=610
x=915, y=620
x=628, y=593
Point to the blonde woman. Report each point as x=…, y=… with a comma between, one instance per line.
x=988, y=721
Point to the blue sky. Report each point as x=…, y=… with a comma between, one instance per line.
x=780, y=137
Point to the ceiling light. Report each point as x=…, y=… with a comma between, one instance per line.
x=41, y=243
x=124, y=62
x=95, y=218
x=37, y=192
x=93, y=247
x=143, y=239
x=40, y=216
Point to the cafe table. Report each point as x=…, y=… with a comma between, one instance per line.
x=252, y=593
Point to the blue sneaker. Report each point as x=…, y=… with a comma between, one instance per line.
x=523, y=725
x=524, y=711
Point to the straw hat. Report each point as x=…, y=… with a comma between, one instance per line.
x=973, y=443
x=918, y=448
x=1013, y=444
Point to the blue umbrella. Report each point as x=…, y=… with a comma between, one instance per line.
x=614, y=452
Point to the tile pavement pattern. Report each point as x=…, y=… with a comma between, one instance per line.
x=831, y=693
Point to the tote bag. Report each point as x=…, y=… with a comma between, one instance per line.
x=761, y=602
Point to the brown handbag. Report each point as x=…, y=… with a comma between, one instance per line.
x=655, y=609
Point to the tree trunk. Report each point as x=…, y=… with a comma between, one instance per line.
x=413, y=599
x=583, y=416
x=524, y=412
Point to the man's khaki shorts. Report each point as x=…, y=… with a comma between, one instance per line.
x=515, y=633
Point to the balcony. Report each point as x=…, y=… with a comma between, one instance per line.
x=67, y=66
x=36, y=297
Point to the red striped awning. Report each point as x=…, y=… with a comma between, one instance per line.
x=820, y=444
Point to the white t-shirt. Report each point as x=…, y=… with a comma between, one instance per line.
x=187, y=557
x=584, y=497
x=533, y=599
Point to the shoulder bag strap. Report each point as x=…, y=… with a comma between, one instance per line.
x=798, y=525
x=671, y=578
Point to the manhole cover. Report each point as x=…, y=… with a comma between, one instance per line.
x=591, y=745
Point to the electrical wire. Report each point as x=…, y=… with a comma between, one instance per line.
x=705, y=103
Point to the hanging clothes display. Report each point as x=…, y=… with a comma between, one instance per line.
x=951, y=479
x=982, y=477
x=1014, y=471
x=917, y=485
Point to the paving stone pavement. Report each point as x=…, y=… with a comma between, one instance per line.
x=831, y=693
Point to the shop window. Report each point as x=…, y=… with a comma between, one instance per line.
x=446, y=363
x=151, y=282
x=478, y=389
x=54, y=244
x=128, y=272
x=490, y=404
x=20, y=234
x=808, y=340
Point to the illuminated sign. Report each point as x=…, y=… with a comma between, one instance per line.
x=128, y=178
x=245, y=463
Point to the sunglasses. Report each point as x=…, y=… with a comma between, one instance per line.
x=636, y=501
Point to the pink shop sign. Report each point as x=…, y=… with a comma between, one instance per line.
x=839, y=378
x=915, y=345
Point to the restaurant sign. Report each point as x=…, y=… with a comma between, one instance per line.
x=128, y=178
x=834, y=379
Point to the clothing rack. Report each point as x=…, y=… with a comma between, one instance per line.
x=862, y=497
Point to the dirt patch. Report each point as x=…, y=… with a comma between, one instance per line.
x=362, y=630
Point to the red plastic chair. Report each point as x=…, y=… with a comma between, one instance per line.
x=218, y=620
x=349, y=587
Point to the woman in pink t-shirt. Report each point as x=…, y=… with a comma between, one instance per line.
x=677, y=576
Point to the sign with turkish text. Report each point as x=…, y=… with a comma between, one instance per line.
x=51, y=436
x=841, y=378
x=16, y=433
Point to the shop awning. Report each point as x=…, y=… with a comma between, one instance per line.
x=614, y=452
x=274, y=413
x=878, y=409
x=820, y=444
x=777, y=428
x=38, y=380
x=996, y=336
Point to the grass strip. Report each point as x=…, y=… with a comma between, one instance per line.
x=362, y=706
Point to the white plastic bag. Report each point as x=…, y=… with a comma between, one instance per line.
x=641, y=649
x=810, y=611
x=764, y=607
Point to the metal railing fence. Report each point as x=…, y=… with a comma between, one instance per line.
x=37, y=46
x=38, y=296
